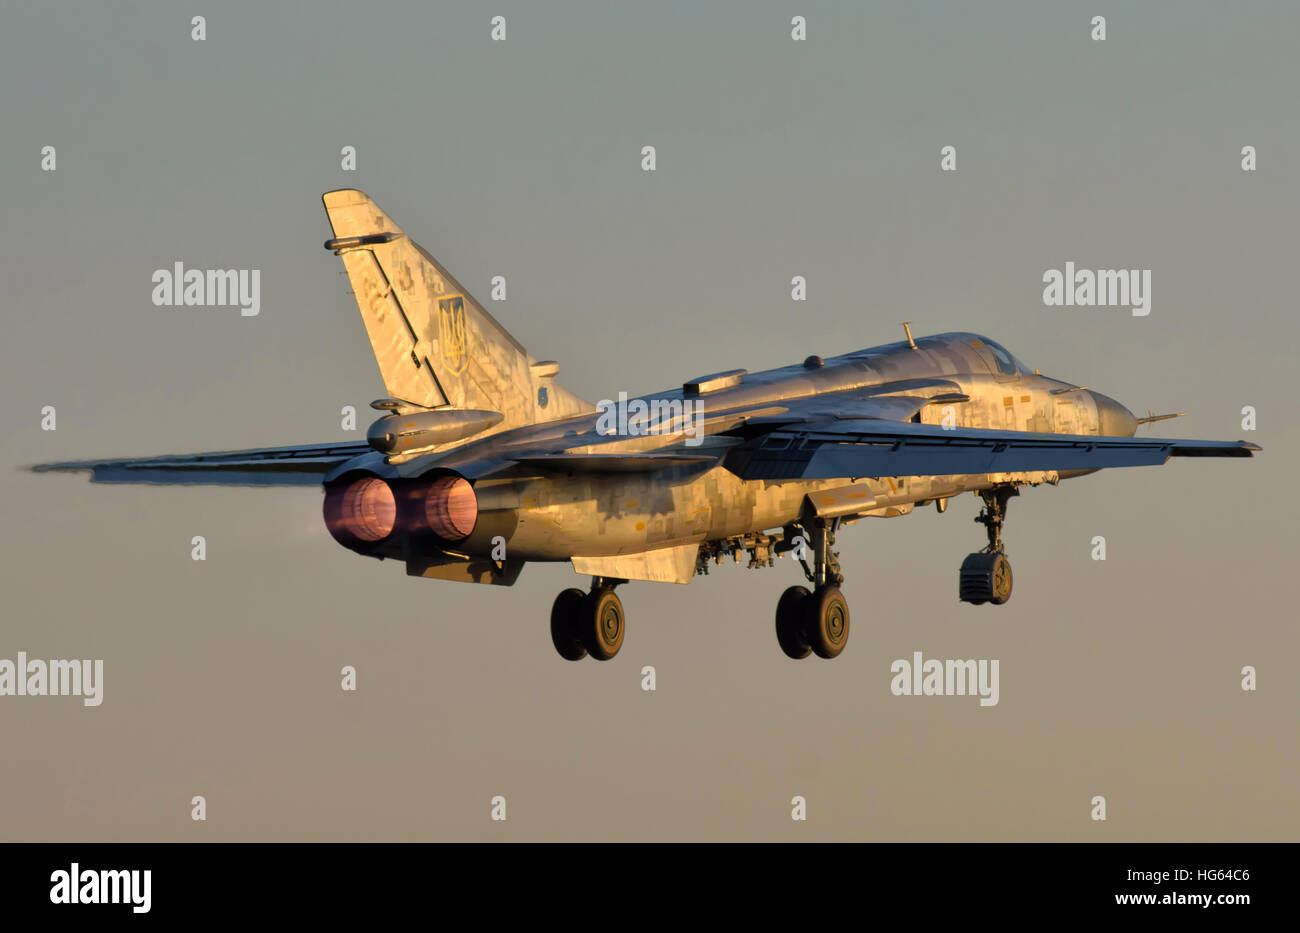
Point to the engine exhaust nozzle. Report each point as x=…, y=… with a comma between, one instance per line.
x=360, y=513
x=451, y=508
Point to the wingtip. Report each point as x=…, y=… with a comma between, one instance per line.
x=60, y=467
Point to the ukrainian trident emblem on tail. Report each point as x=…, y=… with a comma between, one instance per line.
x=453, y=335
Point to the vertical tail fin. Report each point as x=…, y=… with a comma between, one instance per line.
x=435, y=345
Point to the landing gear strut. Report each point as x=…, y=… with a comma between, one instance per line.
x=986, y=575
x=814, y=621
x=588, y=623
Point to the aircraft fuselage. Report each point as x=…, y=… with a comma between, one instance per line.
x=553, y=514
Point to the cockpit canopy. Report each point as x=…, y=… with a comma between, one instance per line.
x=974, y=346
x=957, y=352
x=1007, y=364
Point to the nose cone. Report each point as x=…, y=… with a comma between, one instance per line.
x=1113, y=419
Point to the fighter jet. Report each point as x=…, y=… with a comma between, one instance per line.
x=480, y=461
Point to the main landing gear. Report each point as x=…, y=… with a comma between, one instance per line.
x=817, y=620
x=986, y=575
x=588, y=623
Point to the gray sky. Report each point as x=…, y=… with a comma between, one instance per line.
x=522, y=158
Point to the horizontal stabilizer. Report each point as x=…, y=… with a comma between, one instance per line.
x=304, y=465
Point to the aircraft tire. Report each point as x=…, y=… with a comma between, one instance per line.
x=565, y=614
x=790, y=623
x=826, y=621
x=603, y=623
x=985, y=578
x=1001, y=582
